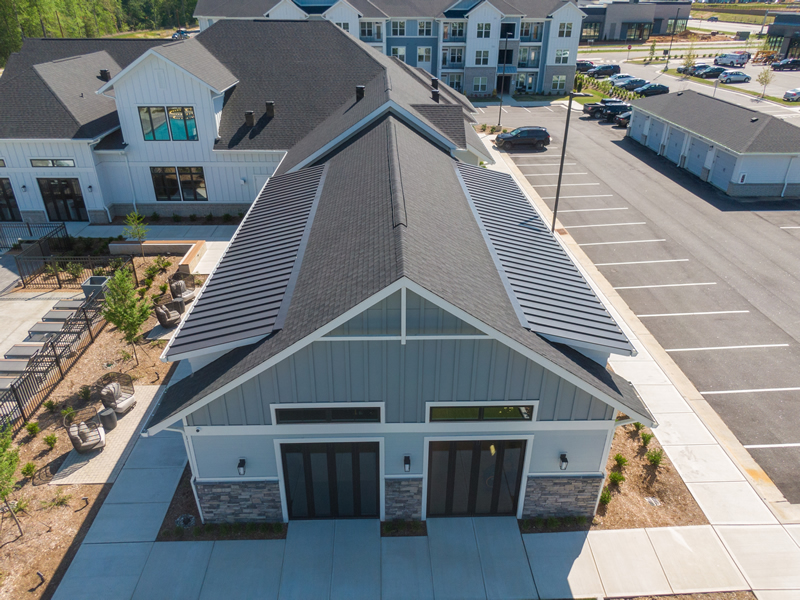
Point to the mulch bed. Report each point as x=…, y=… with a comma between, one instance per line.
x=403, y=528
x=199, y=219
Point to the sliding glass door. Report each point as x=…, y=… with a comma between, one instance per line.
x=63, y=199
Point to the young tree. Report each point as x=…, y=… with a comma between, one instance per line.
x=135, y=229
x=9, y=459
x=652, y=50
x=123, y=309
x=689, y=59
x=765, y=78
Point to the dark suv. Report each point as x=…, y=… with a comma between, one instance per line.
x=603, y=71
x=788, y=64
x=612, y=110
x=524, y=136
x=582, y=66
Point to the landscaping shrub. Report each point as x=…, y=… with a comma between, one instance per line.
x=85, y=393
x=277, y=527
x=646, y=437
x=655, y=457
x=155, y=216
x=620, y=460
x=50, y=406
x=32, y=429
x=605, y=496
x=193, y=217
x=552, y=523
x=178, y=531
x=209, y=217
x=51, y=440
x=163, y=288
x=616, y=477
x=227, y=218
x=68, y=413
x=638, y=426
x=176, y=217
x=29, y=470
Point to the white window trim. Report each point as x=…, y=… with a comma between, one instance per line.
x=483, y=30
x=423, y=29
x=430, y=53
x=398, y=29
x=323, y=405
x=399, y=54
x=479, y=403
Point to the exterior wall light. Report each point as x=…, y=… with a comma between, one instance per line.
x=564, y=462
x=90, y=188
x=24, y=188
x=407, y=463
x=240, y=466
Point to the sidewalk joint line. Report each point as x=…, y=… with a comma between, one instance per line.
x=623, y=242
x=689, y=314
x=663, y=285
x=726, y=347
x=603, y=225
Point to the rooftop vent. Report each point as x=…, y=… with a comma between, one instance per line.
x=754, y=119
x=680, y=93
x=105, y=75
x=249, y=119
x=435, y=83
x=270, y=108
x=359, y=92
x=435, y=94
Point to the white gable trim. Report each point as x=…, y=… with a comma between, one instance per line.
x=286, y=4
x=401, y=285
x=481, y=5
x=347, y=4
x=568, y=6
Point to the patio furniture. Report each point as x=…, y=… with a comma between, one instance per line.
x=108, y=418
x=167, y=315
x=182, y=285
x=85, y=431
x=116, y=392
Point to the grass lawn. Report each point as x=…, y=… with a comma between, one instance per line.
x=734, y=88
x=595, y=96
x=146, y=34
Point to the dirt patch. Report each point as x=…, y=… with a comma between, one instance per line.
x=403, y=528
x=199, y=219
x=711, y=596
x=184, y=504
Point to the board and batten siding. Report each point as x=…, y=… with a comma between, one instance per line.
x=405, y=377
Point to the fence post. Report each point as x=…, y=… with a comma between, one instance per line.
x=19, y=402
x=58, y=279
x=135, y=276
x=88, y=323
x=58, y=360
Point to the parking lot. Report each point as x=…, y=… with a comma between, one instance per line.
x=714, y=280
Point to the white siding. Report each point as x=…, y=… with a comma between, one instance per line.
x=344, y=13
x=767, y=169
x=286, y=10
x=485, y=13
x=569, y=13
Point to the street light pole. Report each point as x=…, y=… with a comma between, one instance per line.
x=561, y=167
x=503, y=80
x=674, y=27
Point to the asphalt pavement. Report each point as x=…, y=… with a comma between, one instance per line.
x=715, y=281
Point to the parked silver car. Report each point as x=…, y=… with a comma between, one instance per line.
x=792, y=95
x=734, y=77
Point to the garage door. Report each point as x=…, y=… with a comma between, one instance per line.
x=637, y=126
x=656, y=135
x=675, y=142
x=722, y=172
x=696, y=156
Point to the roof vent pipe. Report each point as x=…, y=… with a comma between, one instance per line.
x=105, y=75
x=359, y=92
x=435, y=83
x=435, y=94
x=249, y=119
x=270, y=108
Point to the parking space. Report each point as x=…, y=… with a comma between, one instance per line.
x=715, y=281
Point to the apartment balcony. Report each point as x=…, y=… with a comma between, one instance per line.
x=530, y=39
x=453, y=65
x=454, y=39
x=529, y=64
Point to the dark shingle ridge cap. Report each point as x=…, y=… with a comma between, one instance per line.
x=399, y=215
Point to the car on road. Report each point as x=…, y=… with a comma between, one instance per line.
x=712, y=19
x=618, y=76
x=652, y=89
x=583, y=66
x=595, y=109
x=792, y=95
x=603, y=71
x=181, y=34
x=524, y=136
x=612, y=110
x=710, y=72
x=631, y=84
x=787, y=64
x=623, y=120
x=734, y=77
x=730, y=60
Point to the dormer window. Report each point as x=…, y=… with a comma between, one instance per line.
x=162, y=124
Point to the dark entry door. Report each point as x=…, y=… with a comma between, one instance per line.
x=325, y=481
x=63, y=199
x=503, y=84
x=474, y=477
x=9, y=211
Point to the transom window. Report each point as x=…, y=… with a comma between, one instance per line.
x=51, y=162
x=484, y=30
x=562, y=57
x=399, y=52
x=479, y=84
x=398, y=28
x=481, y=413
x=482, y=57
x=425, y=28
x=286, y=416
x=565, y=30
x=160, y=124
x=173, y=184
x=344, y=26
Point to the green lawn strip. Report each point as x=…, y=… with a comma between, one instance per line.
x=733, y=88
x=596, y=96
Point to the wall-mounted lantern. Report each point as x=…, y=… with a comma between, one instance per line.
x=564, y=462
x=407, y=463
x=240, y=466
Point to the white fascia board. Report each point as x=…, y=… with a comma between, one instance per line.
x=564, y=7
x=287, y=2
x=482, y=153
x=576, y=344
x=481, y=4
x=335, y=4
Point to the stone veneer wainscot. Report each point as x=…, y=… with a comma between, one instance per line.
x=403, y=499
x=245, y=501
x=562, y=496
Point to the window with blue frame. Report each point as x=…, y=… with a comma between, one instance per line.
x=161, y=124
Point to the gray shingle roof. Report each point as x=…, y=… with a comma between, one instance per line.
x=254, y=278
x=728, y=125
x=357, y=248
x=544, y=284
x=192, y=56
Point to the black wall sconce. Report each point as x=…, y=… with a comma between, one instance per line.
x=564, y=462
x=240, y=466
x=407, y=463
x=24, y=188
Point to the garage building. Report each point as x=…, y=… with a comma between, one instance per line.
x=740, y=151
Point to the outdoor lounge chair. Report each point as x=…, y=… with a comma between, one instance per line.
x=117, y=392
x=88, y=434
x=167, y=317
x=179, y=290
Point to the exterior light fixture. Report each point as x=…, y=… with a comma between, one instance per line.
x=90, y=188
x=407, y=463
x=24, y=188
x=243, y=180
x=240, y=466
x=564, y=462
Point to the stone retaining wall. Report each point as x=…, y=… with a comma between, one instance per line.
x=403, y=499
x=561, y=496
x=245, y=501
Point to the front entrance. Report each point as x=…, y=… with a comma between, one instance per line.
x=479, y=477
x=63, y=199
x=503, y=84
x=327, y=481
x=9, y=211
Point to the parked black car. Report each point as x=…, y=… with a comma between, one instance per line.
x=583, y=65
x=603, y=71
x=693, y=69
x=710, y=72
x=623, y=120
x=632, y=84
x=787, y=64
x=612, y=110
x=595, y=109
x=524, y=136
x=652, y=89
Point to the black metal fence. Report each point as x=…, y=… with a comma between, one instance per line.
x=50, y=272
x=12, y=233
x=48, y=366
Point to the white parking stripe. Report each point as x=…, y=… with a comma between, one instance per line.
x=525, y=109
x=602, y=225
x=727, y=347
x=548, y=108
x=755, y=391
x=546, y=165
x=503, y=109
x=563, y=184
x=589, y=196
x=551, y=174
x=663, y=285
x=773, y=446
x=692, y=314
x=595, y=210
x=788, y=227
x=625, y=242
x=637, y=262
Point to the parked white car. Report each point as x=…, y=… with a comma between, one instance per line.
x=620, y=76
x=792, y=95
x=734, y=77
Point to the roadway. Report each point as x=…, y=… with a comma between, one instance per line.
x=714, y=280
x=725, y=26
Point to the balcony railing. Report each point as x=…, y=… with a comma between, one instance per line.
x=453, y=65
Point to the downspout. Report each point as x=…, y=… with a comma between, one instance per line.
x=130, y=180
x=786, y=177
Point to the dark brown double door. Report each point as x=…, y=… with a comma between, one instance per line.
x=479, y=477
x=63, y=199
x=334, y=480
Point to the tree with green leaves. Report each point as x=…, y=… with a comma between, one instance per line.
x=765, y=77
x=124, y=309
x=689, y=58
x=9, y=459
x=652, y=50
x=136, y=229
